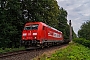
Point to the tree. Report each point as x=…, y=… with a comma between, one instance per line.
x=84, y=32
x=11, y=22
x=62, y=24
x=45, y=11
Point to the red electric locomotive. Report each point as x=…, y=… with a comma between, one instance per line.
x=40, y=34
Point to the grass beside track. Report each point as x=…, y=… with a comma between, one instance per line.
x=72, y=52
x=6, y=50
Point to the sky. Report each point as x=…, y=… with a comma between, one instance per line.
x=78, y=11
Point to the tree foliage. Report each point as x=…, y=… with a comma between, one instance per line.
x=10, y=23
x=45, y=11
x=84, y=32
x=15, y=13
x=62, y=23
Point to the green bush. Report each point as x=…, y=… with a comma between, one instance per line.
x=86, y=43
x=82, y=41
x=10, y=49
x=74, y=51
x=78, y=40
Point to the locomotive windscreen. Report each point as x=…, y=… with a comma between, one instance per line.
x=31, y=27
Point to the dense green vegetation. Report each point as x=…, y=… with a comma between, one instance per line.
x=15, y=13
x=84, y=32
x=6, y=50
x=82, y=41
x=73, y=52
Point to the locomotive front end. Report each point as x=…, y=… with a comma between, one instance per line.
x=29, y=35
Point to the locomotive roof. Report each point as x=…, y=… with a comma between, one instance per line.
x=43, y=24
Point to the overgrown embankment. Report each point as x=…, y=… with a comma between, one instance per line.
x=82, y=41
x=74, y=51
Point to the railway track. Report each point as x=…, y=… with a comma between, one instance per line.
x=12, y=53
x=28, y=55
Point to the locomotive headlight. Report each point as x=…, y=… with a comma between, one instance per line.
x=35, y=37
x=34, y=33
x=24, y=34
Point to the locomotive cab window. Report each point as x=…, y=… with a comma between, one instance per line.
x=31, y=27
